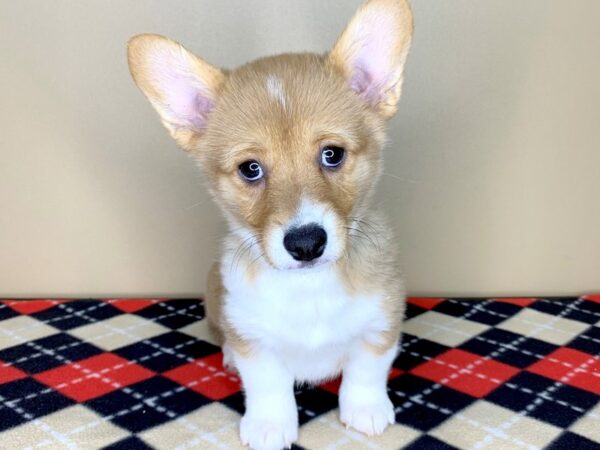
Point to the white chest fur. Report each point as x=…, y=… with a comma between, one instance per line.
x=306, y=317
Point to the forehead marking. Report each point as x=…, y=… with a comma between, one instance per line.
x=275, y=89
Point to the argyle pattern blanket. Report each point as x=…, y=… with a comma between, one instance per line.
x=146, y=373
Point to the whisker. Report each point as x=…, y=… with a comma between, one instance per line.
x=261, y=255
x=196, y=204
x=408, y=180
x=365, y=222
x=363, y=235
x=246, y=244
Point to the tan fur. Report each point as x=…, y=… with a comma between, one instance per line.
x=223, y=331
x=286, y=137
x=370, y=266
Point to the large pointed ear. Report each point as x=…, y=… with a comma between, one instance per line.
x=182, y=87
x=372, y=50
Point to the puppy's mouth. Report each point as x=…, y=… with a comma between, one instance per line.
x=311, y=264
x=306, y=266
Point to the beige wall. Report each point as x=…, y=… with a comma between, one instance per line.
x=493, y=168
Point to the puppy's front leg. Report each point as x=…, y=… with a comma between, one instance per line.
x=271, y=418
x=364, y=402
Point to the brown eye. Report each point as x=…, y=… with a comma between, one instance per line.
x=332, y=157
x=251, y=170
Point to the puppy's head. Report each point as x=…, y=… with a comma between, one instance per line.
x=290, y=144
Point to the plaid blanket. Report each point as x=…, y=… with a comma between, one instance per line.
x=145, y=373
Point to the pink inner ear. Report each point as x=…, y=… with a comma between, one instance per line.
x=186, y=98
x=363, y=83
x=372, y=65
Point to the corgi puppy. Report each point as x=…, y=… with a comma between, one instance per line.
x=307, y=286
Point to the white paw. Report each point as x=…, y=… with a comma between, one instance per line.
x=275, y=433
x=369, y=416
x=228, y=361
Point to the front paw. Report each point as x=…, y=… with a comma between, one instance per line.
x=273, y=433
x=228, y=359
x=370, y=416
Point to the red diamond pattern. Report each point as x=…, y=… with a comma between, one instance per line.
x=93, y=377
x=466, y=372
x=132, y=305
x=32, y=306
x=517, y=301
x=592, y=298
x=571, y=367
x=206, y=376
x=425, y=303
x=9, y=373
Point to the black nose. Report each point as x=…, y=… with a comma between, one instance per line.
x=305, y=243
